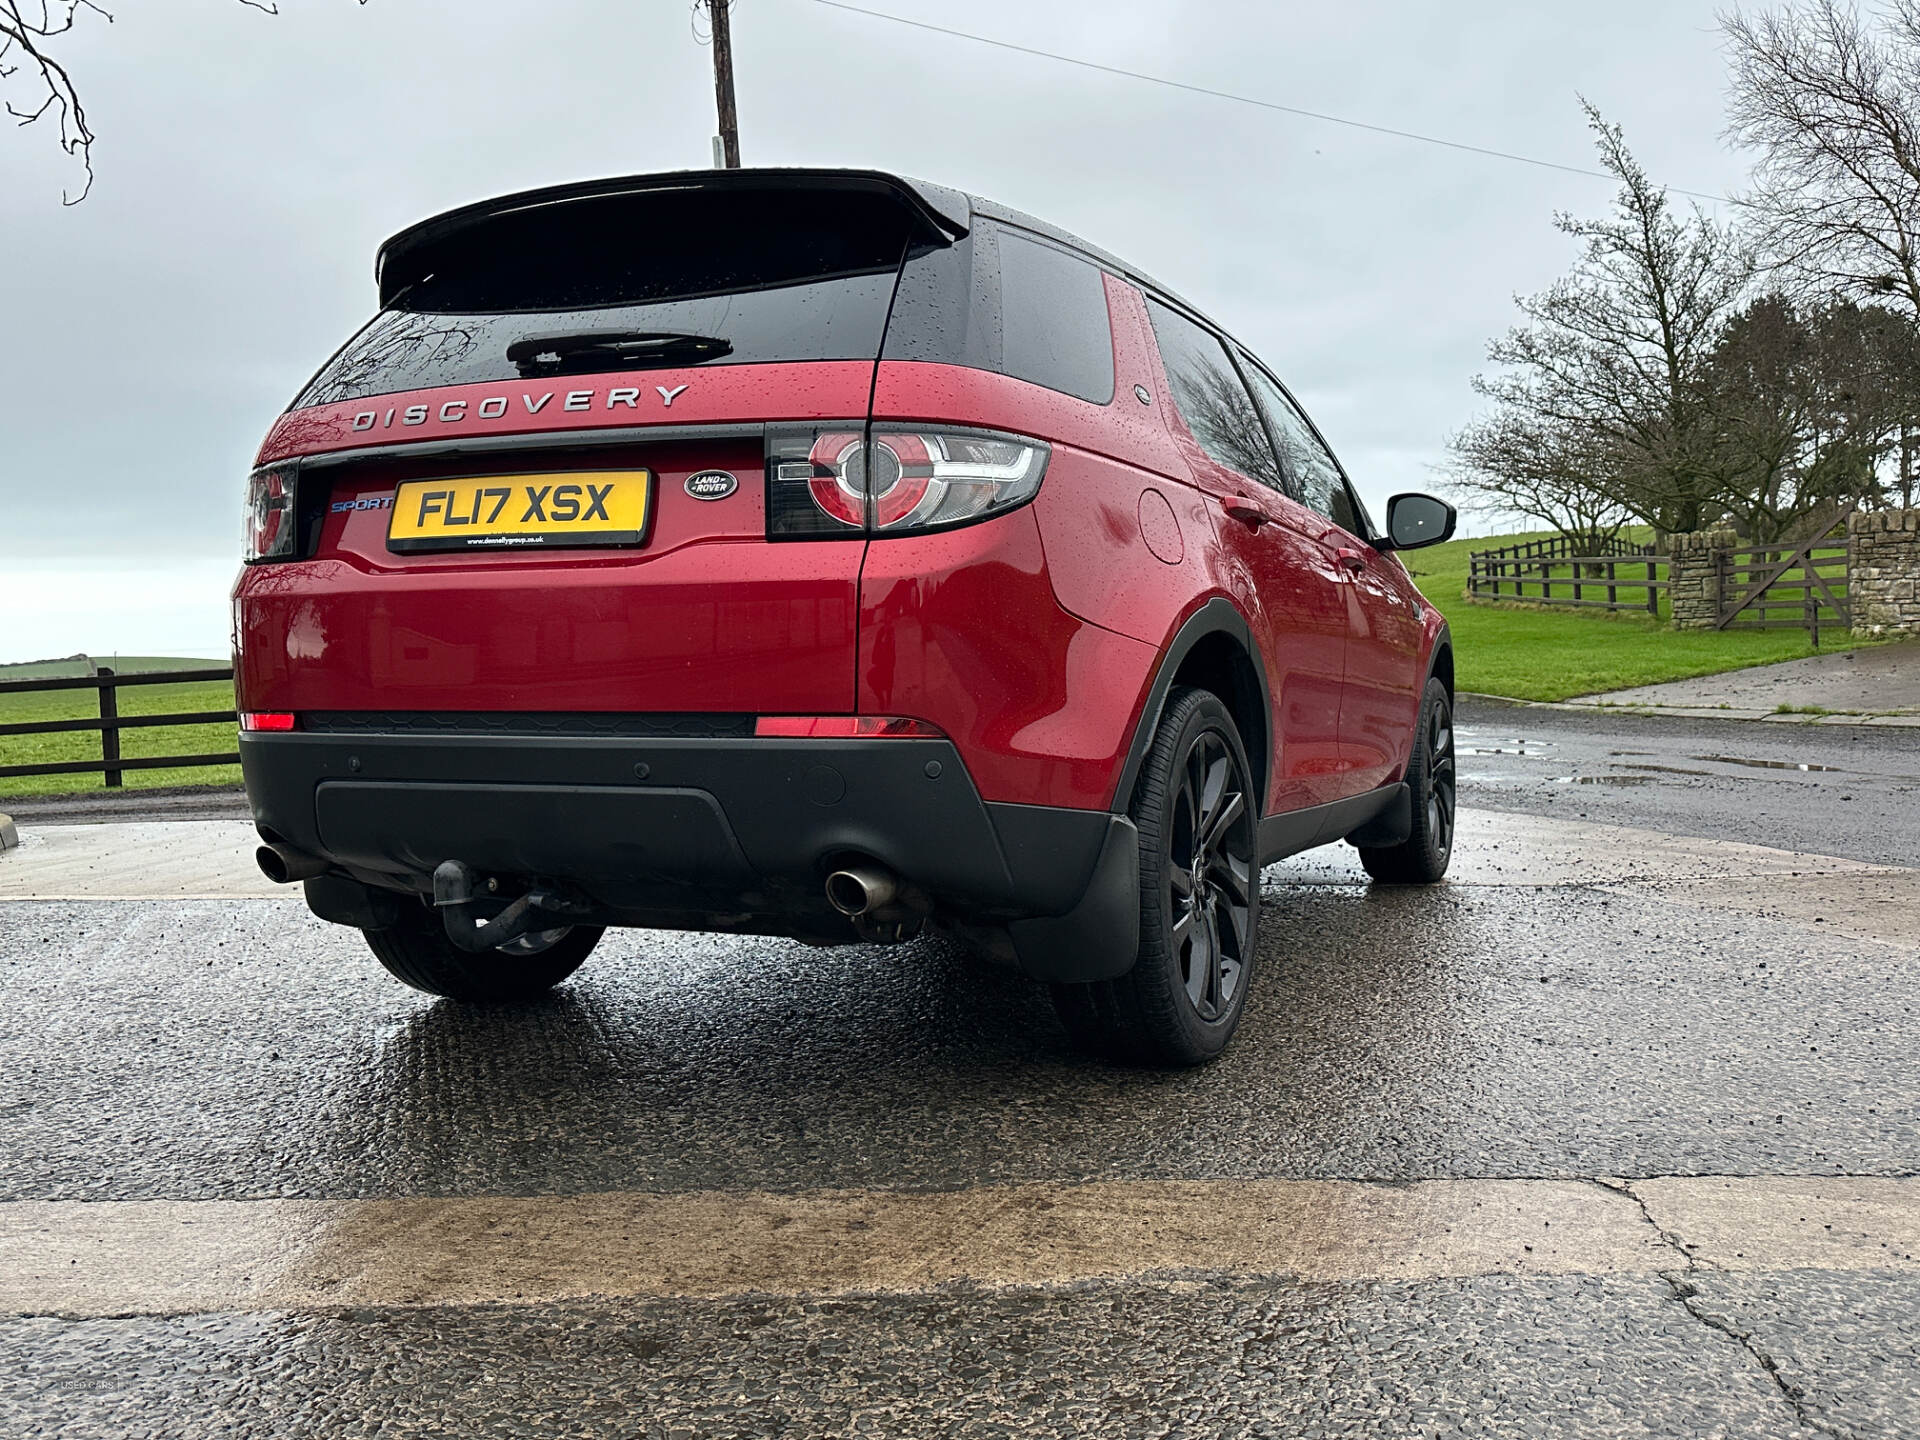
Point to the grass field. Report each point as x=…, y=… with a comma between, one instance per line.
x=122, y=665
x=1533, y=653
x=134, y=700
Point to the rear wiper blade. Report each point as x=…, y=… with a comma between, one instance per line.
x=587, y=351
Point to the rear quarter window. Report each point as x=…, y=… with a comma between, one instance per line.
x=1004, y=301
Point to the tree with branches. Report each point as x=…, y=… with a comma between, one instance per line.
x=1516, y=463
x=1816, y=408
x=36, y=82
x=1601, y=389
x=1831, y=103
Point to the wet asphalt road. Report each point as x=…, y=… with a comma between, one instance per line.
x=1587, y=1024
x=1829, y=789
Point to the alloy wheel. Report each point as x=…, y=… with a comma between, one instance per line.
x=1210, y=874
x=1441, y=780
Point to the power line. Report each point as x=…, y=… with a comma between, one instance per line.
x=1250, y=99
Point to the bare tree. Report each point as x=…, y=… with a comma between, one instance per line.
x=1606, y=372
x=1832, y=105
x=31, y=31
x=1512, y=463
x=25, y=34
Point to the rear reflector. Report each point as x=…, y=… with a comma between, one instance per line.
x=889, y=727
x=265, y=720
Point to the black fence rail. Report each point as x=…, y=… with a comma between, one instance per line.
x=1588, y=573
x=110, y=723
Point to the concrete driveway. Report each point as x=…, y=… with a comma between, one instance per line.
x=1881, y=682
x=1614, y=1134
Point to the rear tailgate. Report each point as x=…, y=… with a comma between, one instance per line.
x=704, y=615
x=515, y=361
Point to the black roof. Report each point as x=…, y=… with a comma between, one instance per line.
x=943, y=211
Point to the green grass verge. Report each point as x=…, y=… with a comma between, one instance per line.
x=85, y=744
x=1536, y=653
x=122, y=665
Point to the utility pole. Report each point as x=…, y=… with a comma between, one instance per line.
x=729, y=147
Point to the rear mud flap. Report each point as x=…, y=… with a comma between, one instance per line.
x=1099, y=939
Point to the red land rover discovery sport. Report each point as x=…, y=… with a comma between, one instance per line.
x=824, y=554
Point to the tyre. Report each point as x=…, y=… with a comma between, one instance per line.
x=1198, y=816
x=421, y=955
x=1433, y=778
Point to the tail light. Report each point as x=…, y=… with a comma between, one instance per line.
x=848, y=481
x=271, y=517
x=252, y=720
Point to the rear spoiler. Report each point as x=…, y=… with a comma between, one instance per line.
x=406, y=258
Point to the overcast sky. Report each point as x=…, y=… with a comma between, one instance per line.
x=249, y=165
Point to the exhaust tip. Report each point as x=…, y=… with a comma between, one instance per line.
x=283, y=865
x=860, y=889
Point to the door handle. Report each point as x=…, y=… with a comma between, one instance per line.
x=1239, y=507
x=1354, y=560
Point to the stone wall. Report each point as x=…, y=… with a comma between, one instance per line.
x=1694, y=576
x=1883, y=572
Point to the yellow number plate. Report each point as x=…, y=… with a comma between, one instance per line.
x=510, y=512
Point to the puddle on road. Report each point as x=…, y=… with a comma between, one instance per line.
x=1603, y=780
x=1516, y=745
x=1668, y=770
x=1769, y=764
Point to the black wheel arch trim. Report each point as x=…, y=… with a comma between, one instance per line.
x=1218, y=616
x=1442, y=645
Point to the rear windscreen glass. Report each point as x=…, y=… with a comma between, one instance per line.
x=664, y=279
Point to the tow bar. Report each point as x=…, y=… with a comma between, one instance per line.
x=536, y=910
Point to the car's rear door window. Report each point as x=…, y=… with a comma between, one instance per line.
x=1316, y=480
x=1211, y=398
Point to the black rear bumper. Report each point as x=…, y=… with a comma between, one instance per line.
x=709, y=833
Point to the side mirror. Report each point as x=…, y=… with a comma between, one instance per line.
x=1416, y=520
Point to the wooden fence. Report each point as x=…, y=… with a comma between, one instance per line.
x=1790, y=585
x=110, y=722
x=1780, y=587
x=1594, y=574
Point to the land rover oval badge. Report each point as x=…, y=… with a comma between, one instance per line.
x=712, y=485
